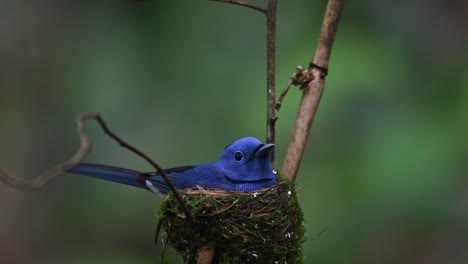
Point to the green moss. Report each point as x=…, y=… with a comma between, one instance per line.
x=256, y=227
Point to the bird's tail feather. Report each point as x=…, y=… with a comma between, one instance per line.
x=110, y=173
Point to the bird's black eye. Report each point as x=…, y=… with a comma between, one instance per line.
x=238, y=156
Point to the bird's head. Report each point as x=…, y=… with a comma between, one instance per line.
x=247, y=160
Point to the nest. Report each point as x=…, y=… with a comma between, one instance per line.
x=254, y=227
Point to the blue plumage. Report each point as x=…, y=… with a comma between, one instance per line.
x=243, y=166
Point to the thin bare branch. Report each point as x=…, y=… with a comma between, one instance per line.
x=271, y=89
x=148, y=159
x=242, y=3
x=300, y=77
x=283, y=95
x=313, y=90
x=42, y=179
x=84, y=149
x=270, y=13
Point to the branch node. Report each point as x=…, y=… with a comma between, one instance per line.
x=300, y=77
x=323, y=70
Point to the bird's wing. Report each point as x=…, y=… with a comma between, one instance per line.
x=206, y=175
x=180, y=177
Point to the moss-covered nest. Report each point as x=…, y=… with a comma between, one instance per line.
x=250, y=227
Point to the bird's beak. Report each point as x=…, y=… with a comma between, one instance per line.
x=263, y=150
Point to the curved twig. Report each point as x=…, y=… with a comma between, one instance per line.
x=47, y=176
x=85, y=148
x=242, y=3
x=300, y=77
x=158, y=168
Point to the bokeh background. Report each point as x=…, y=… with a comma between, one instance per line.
x=385, y=170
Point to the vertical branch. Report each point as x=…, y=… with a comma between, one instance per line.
x=271, y=91
x=313, y=90
x=270, y=13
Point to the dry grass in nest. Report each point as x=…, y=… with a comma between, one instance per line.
x=257, y=227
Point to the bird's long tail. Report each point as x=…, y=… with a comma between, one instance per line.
x=110, y=173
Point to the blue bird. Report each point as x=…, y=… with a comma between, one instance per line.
x=243, y=166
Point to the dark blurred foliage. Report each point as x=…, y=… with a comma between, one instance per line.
x=385, y=171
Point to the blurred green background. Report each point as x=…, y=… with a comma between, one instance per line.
x=385, y=170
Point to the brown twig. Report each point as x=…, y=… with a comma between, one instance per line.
x=242, y=3
x=148, y=159
x=313, y=90
x=270, y=13
x=42, y=179
x=163, y=251
x=283, y=94
x=271, y=90
x=84, y=149
x=300, y=77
